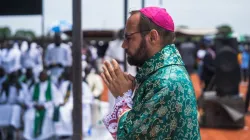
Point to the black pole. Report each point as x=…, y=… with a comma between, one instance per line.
x=42, y=20
x=142, y=3
x=77, y=70
x=125, y=19
x=42, y=32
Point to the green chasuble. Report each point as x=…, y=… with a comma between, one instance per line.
x=164, y=102
x=40, y=114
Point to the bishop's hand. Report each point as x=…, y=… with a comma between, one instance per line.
x=117, y=81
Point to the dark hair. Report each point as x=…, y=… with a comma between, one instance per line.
x=145, y=24
x=120, y=34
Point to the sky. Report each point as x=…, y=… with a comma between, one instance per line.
x=109, y=14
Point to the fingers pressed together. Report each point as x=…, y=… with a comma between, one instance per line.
x=110, y=71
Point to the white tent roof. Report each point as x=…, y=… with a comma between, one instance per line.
x=197, y=31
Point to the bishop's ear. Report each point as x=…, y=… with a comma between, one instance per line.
x=154, y=36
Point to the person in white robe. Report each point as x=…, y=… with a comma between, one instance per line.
x=10, y=58
x=95, y=83
x=63, y=119
x=18, y=55
x=29, y=78
x=38, y=118
x=87, y=101
x=57, y=57
x=32, y=58
x=12, y=94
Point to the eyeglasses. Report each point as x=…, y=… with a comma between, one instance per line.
x=126, y=36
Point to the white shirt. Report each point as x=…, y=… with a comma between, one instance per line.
x=201, y=54
x=31, y=58
x=14, y=96
x=58, y=55
x=11, y=59
x=115, y=50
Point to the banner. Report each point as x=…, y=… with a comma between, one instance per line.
x=20, y=7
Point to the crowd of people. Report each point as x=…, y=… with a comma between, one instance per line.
x=36, y=88
x=199, y=57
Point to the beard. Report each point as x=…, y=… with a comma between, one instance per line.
x=140, y=55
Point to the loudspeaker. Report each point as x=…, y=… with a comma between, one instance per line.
x=221, y=112
x=227, y=75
